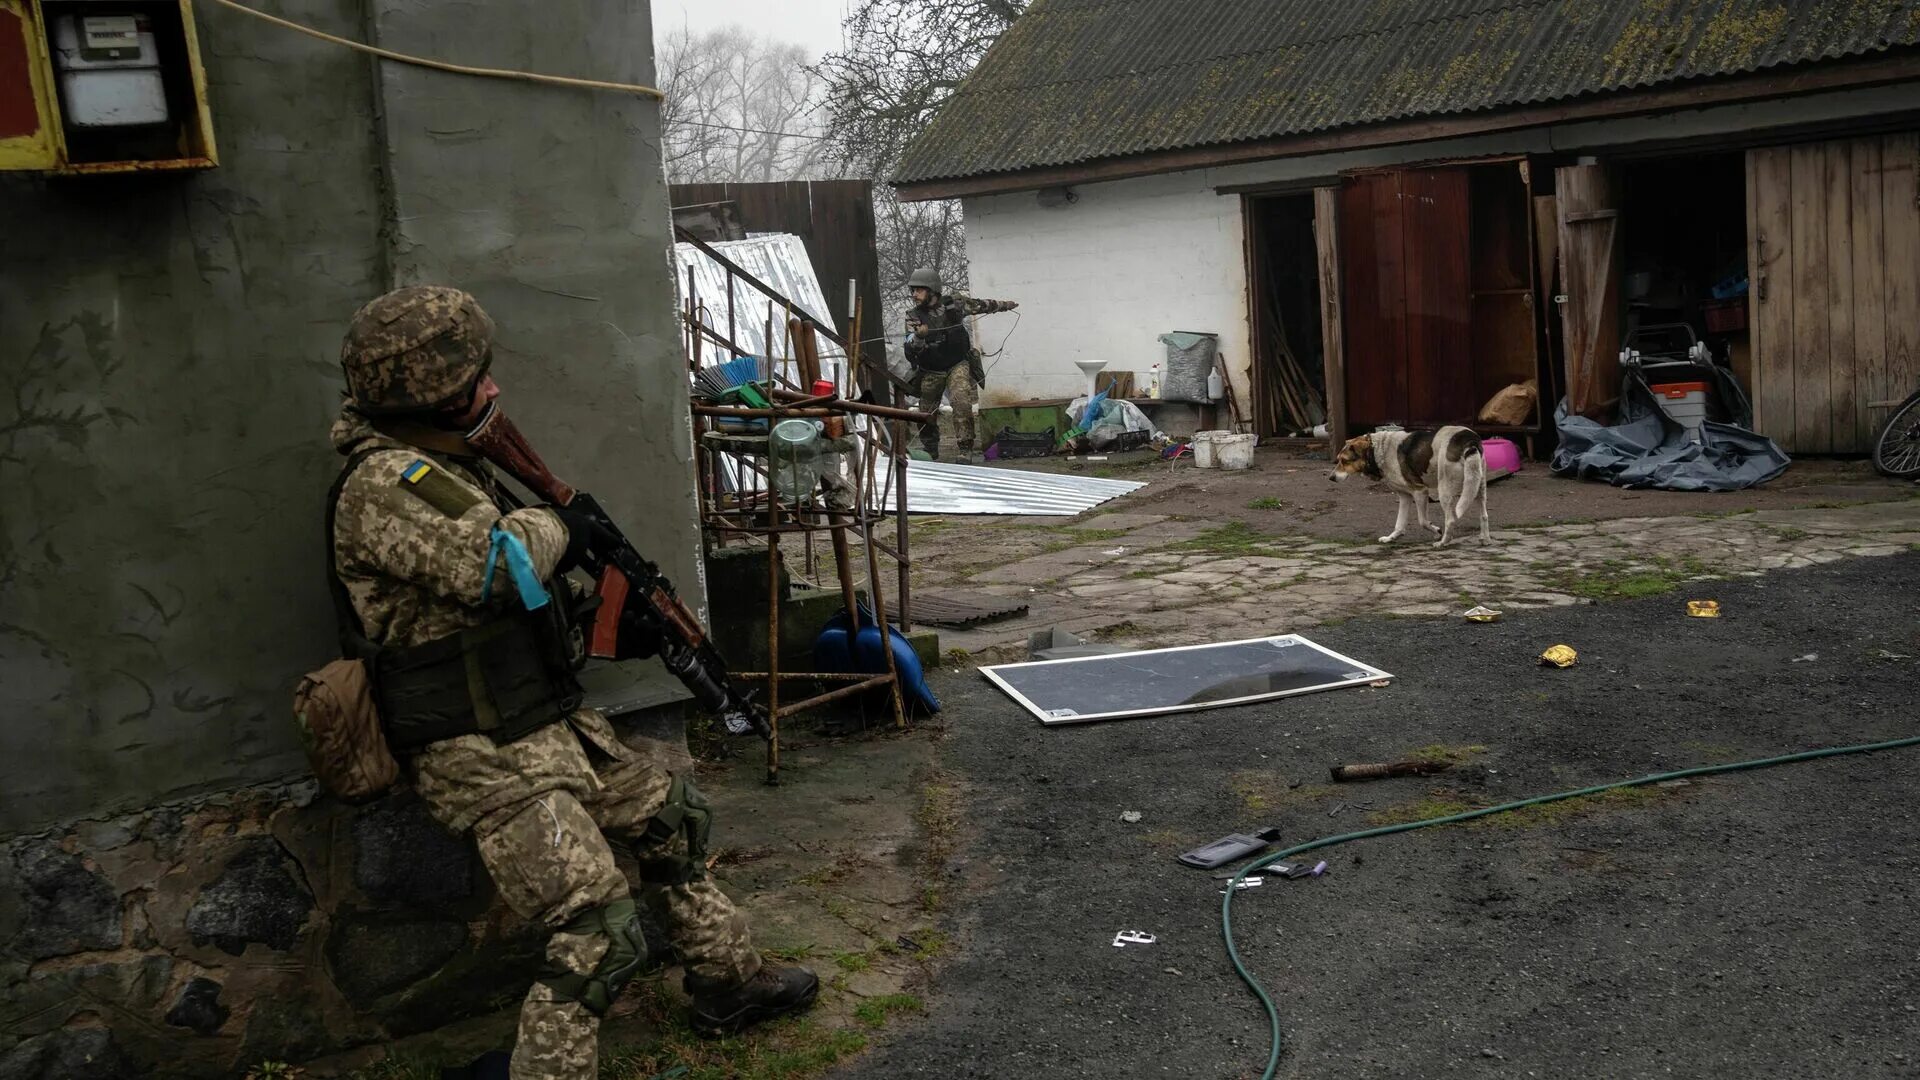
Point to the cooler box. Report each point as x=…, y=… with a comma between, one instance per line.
x=1685, y=402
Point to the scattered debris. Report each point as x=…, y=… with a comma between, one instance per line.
x=1279, y=870
x=1054, y=643
x=1229, y=848
x=1703, y=609
x=1382, y=770
x=1246, y=883
x=1807, y=659
x=1132, y=937
x=1886, y=654
x=1173, y=971
x=1115, y=551
x=1480, y=613
x=1337, y=807
x=1131, y=817
x=1560, y=656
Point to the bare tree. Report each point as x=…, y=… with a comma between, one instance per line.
x=739, y=109
x=903, y=59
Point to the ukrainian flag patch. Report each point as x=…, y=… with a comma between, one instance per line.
x=438, y=488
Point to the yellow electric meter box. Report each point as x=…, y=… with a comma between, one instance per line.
x=102, y=86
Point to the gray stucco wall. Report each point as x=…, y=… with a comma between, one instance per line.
x=168, y=369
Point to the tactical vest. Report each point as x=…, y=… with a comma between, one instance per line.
x=505, y=678
x=948, y=346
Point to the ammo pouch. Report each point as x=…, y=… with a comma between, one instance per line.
x=504, y=679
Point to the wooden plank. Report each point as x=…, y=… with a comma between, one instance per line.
x=1812, y=392
x=1440, y=383
x=1326, y=238
x=1546, y=246
x=1842, y=386
x=1590, y=275
x=1868, y=316
x=1770, y=272
x=1900, y=222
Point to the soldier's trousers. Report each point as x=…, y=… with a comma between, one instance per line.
x=957, y=384
x=550, y=858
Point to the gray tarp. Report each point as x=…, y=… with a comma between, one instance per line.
x=1648, y=449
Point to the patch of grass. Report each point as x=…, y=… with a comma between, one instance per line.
x=788, y=1049
x=1233, y=538
x=395, y=1068
x=1442, y=754
x=1786, y=534
x=932, y=943
x=1445, y=802
x=1266, y=502
x=791, y=954
x=956, y=656
x=1554, y=813
x=1262, y=790
x=841, y=868
x=852, y=962
x=1616, y=579
x=1117, y=630
x=1437, y=805
x=275, y=1070
x=938, y=816
x=875, y=1011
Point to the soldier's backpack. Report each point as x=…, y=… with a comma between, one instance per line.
x=340, y=728
x=334, y=706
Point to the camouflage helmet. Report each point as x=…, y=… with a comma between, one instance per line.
x=416, y=349
x=926, y=277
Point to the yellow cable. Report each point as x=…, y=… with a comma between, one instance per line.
x=460, y=69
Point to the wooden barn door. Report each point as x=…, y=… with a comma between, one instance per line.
x=1590, y=253
x=1406, y=297
x=1833, y=232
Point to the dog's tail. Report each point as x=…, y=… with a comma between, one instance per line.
x=1473, y=466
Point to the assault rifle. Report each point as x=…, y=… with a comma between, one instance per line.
x=630, y=587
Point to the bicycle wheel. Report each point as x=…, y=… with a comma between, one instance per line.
x=1897, y=451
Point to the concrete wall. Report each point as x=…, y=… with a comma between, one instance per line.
x=169, y=369
x=168, y=372
x=1103, y=276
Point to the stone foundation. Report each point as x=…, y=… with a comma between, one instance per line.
x=268, y=924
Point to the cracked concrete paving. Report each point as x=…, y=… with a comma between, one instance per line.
x=1167, y=582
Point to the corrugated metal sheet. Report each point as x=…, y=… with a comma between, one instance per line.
x=780, y=260
x=1079, y=80
x=935, y=488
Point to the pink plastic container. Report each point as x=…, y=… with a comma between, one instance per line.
x=1501, y=454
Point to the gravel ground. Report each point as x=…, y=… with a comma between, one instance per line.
x=1751, y=924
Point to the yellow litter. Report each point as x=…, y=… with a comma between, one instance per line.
x=1481, y=614
x=1561, y=656
x=1704, y=609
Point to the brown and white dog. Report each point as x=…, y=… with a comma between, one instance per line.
x=1447, y=462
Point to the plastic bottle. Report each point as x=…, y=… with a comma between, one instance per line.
x=1153, y=382
x=1216, y=388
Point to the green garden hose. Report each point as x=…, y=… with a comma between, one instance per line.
x=1226, y=902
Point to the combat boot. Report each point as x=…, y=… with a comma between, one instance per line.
x=773, y=992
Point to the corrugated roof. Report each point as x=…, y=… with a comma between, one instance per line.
x=1080, y=80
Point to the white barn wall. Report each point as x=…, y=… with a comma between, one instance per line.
x=1102, y=278
x=1131, y=259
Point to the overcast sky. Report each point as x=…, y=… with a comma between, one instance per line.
x=812, y=24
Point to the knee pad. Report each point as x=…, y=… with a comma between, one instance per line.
x=619, y=923
x=687, y=813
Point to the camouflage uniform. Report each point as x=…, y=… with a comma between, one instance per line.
x=542, y=808
x=947, y=370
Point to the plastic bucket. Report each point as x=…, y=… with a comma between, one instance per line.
x=1203, y=456
x=1234, y=452
x=1501, y=454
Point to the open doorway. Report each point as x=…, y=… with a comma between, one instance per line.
x=1283, y=296
x=1684, y=255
